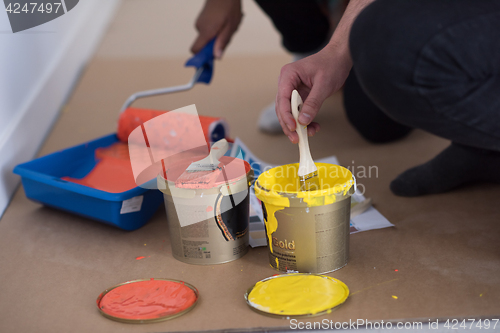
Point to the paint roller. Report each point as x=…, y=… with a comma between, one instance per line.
x=214, y=128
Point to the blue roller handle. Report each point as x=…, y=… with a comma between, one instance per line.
x=205, y=59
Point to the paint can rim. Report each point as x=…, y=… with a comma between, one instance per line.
x=175, y=170
x=268, y=193
x=239, y=184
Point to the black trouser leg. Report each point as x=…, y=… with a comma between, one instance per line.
x=433, y=65
x=302, y=24
x=370, y=121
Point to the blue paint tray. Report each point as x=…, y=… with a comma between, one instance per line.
x=42, y=183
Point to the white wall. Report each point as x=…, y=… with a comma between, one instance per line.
x=38, y=68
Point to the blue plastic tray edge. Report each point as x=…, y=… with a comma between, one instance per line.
x=23, y=171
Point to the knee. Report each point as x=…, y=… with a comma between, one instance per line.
x=367, y=118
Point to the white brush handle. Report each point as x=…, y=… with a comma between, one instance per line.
x=218, y=150
x=212, y=160
x=306, y=165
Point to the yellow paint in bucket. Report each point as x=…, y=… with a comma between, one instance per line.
x=307, y=231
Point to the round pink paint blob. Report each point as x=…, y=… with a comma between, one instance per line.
x=142, y=300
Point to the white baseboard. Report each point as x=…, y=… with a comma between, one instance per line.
x=29, y=126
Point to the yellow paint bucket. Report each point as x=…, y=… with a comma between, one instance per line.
x=307, y=232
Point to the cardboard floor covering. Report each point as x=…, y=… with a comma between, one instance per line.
x=53, y=265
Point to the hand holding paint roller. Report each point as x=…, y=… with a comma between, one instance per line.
x=308, y=172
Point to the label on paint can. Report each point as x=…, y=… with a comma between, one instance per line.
x=221, y=238
x=312, y=239
x=132, y=205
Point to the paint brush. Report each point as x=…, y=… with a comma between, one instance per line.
x=308, y=172
x=201, y=173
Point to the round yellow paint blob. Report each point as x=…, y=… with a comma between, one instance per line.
x=297, y=295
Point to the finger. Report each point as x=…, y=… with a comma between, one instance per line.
x=292, y=136
x=313, y=102
x=223, y=38
x=284, y=113
x=313, y=128
x=286, y=85
x=200, y=42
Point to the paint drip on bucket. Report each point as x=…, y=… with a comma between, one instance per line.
x=307, y=231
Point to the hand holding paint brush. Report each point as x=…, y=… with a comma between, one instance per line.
x=308, y=172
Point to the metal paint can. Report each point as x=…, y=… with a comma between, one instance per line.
x=307, y=232
x=209, y=225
